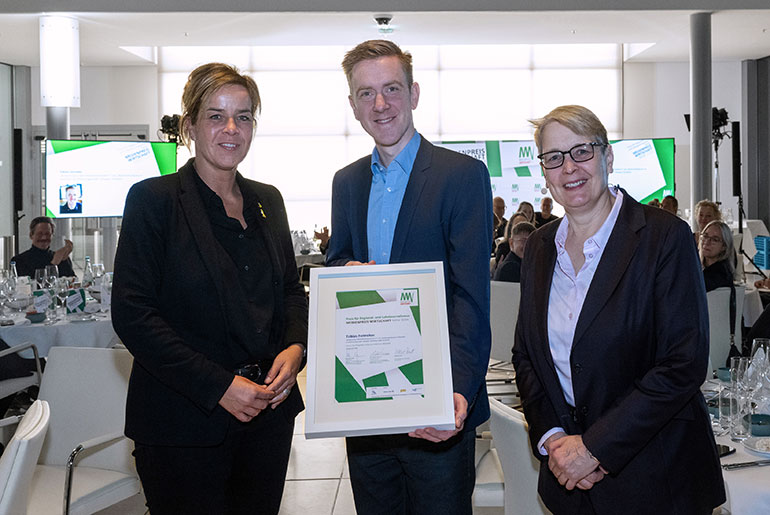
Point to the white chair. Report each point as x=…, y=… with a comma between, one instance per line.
x=520, y=467
x=719, y=324
x=488, y=490
x=86, y=389
x=17, y=464
x=16, y=384
x=503, y=312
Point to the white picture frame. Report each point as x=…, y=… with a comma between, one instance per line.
x=401, y=398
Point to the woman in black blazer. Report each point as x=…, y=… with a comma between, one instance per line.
x=611, y=342
x=207, y=299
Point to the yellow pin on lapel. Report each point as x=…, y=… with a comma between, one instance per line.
x=262, y=210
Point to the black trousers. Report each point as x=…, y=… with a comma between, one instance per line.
x=245, y=474
x=399, y=475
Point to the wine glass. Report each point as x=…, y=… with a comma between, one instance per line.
x=51, y=274
x=40, y=279
x=98, y=269
x=62, y=292
x=4, y=291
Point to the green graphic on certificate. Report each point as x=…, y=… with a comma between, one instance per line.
x=378, y=346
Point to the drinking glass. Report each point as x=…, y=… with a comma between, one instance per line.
x=98, y=269
x=4, y=277
x=40, y=278
x=19, y=304
x=740, y=406
x=51, y=274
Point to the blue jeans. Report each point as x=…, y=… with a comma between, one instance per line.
x=399, y=475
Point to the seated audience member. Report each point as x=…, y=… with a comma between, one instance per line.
x=545, y=214
x=705, y=212
x=670, y=204
x=323, y=237
x=40, y=255
x=526, y=209
x=509, y=269
x=717, y=255
x=654, y=203
x=498, y=209
x=504, y=247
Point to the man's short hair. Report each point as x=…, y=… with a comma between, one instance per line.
x=672, y=199
x=522, y=228
x=580, y=120
x=374, y=49
x=41, y=220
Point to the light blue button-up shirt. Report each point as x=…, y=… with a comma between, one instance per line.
x=385, y=197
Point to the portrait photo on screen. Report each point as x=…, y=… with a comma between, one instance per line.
x=71, y=199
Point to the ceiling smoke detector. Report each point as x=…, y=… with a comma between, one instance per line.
x=383, y=23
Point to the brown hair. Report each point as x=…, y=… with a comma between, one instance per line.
x=374, y=49
x=522, y=228
x=41, y=220
x=580, y=120
x=202, y=82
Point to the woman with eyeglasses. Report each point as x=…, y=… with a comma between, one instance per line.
x=717, y=255
x=611, y=343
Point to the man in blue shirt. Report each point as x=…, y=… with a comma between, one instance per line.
x=413, y=202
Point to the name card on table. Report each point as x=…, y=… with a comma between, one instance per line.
x=76, y=301
x=44, y=300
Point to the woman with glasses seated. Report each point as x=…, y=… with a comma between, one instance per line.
x=717, y=255
x=611, y=345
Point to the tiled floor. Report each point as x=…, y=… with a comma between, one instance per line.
x=317, y=482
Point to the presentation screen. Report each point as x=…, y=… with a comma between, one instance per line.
x=643, y=167
x=92, y=178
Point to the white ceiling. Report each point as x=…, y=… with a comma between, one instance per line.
x=736, y=34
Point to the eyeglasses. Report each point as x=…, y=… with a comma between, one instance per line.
x=578, y=153
x=712, y=239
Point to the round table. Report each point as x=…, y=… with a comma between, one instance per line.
x=748, y=489
x=96, y=333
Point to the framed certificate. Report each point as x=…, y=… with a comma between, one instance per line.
x=378, y=351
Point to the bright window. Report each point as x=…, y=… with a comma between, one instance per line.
x=307, y=130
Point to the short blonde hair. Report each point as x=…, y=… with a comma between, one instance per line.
x=580, y=120
x=202, y=83
x=374, y=49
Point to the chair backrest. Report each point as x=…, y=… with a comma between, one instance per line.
x=504, y=310
x=17, y=464
x=719, y=324
x=86, y=388
x=520, y=467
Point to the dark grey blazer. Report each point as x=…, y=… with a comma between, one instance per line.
x=446, y=215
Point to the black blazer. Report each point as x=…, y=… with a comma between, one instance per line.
x=639, y=355
x=174, y=294
x=446, y=215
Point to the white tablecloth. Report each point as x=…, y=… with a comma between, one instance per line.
x=314, y=257
x=748, y=489
x=98, y=333
x=752, y=305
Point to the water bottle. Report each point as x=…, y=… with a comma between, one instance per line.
x=88, y=274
